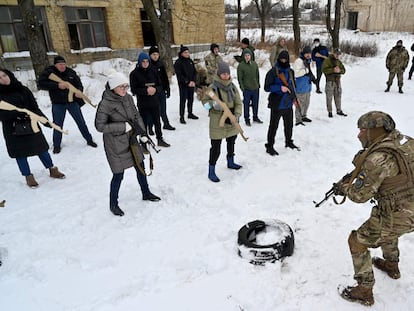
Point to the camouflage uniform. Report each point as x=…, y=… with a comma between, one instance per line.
x=380, y=178
x=212, y=60
x=396, y=62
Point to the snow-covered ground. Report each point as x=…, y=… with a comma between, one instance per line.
x=63, y=250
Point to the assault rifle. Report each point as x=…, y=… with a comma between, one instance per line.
x=227, y=114
x=72, y=90
x=333, y=191
x=34, y=118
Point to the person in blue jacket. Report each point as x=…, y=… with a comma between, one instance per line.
x=279, y=82
x=319, y=54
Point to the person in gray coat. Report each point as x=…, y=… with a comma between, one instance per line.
x=115, y=116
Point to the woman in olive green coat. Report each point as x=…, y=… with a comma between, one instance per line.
x=227, y=92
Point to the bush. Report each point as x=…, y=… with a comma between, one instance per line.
x=361, y=49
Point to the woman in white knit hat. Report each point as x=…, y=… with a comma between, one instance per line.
x=116, y=117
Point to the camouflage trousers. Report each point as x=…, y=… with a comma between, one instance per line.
x=400, y=78
x=333, y=90
x=301, y=112
x=378, y=231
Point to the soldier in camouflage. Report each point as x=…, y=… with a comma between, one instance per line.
x=396, y=63
x=212, y=60
x=379, y=174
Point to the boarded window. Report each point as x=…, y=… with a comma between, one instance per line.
x=86, y=27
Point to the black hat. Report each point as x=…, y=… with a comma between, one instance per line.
x=316, y=40
x=245, y=41
x=283, y=55
x=213, y=46
x=307, y=49
x=59, y=59
x=399, y=42
x=153, y=49
x=183, y=49
x=223, y=67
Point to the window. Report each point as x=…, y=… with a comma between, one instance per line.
x=86, y=27
x=12, y=36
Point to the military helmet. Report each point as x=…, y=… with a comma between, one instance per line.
x=374, y=119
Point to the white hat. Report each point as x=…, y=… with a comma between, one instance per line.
x=116, y=79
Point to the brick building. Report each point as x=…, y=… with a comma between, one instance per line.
x=84, y=31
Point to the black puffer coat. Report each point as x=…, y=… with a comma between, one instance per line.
x=20, y=96
x=112, y=113
x=140, y=78
x=185, y=70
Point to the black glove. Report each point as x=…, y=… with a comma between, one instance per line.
x=339, y=189
x=168, y=93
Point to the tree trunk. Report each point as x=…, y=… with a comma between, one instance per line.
x=296, y=26
x=238, y=21
x=161, y=29
x=34, y=36
x=334, y=32
x=263, y=27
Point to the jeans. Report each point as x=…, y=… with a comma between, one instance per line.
x=250, y=96
x=116, y=184
x=59, y=113
x=24, y=164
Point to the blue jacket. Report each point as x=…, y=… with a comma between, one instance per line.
x=321, y=49
x=301, y=67
x=273, y=84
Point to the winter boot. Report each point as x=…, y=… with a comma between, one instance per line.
x=31, y=181
x=291, y=145
x=390, y=267
x=151, y=197
x=388, y=88
x=400, y=90
x=116, y=210
x=270, y=150
x=162, y=143
x=55, y=173
x=359, y=293
x=212, y=173
x=182, y=121
x=168, y=126
x=231, y=164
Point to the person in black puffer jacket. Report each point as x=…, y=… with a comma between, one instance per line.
x=18, y=146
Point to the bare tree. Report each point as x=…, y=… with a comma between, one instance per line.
x=34, y=36
x=296, y=26
x=162, y=31
x=264, y=8
x=334, y=32
x=238, y=20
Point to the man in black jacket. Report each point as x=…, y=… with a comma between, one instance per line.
x=157, y=63
x=410, y=74
x=58, y=92
x=146, y=85
x=186, y=76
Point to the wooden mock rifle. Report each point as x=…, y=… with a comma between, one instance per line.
x=227, y=114
x=34, y=118
x=2, y=203
x=72, y=90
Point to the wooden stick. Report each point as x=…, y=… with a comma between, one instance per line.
x=72, y=90
x=227, y=114
x=34, y=118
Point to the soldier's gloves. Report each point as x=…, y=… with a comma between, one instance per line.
x=143, y=139
x=128, y=127
x=339, y=188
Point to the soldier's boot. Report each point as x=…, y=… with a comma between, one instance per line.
x=400, y=90
x=388, y=88
x=55, y=173
x=390, y=267
x=31, y=181
x=359, y=293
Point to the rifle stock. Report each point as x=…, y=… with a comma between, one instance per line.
x=227, y=114
x=34, y=118
x=72, y=90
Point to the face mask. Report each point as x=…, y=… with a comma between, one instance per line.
x=316, y=44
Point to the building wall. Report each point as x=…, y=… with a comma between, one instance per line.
x=386, y=15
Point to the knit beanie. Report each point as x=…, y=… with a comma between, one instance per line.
x=283, y=55
x=245, y=41
x=141, y=57
x=183, y=49
x=399, y=42
x=213, y=46
x=153, y=49
x=223, y=67
x=116, y=79
x=59, y=59
x=307, y=50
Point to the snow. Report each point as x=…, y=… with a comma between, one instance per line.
x=63, y=250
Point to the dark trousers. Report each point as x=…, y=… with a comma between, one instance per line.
x=410, y=74
x=318, y=77
x=23, y=164
x=186, y=95
x=253, y=97
x=216, y=146
x=59, y=113
x=275, y=115
x=163, y=110
x=150, y=116
x=116, y=184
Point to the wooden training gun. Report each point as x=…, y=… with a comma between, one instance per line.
x=72, y=90
x=34, y=118
x=227, y=114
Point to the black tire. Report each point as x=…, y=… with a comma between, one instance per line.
x=260, y=254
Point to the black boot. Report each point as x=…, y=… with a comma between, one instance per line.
x=270, y=150
x=116, y=210
x=182, y=121
x=388, y=88
x=151, y=197
x=400, y=90
x=168, y=126
x=291, y=145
